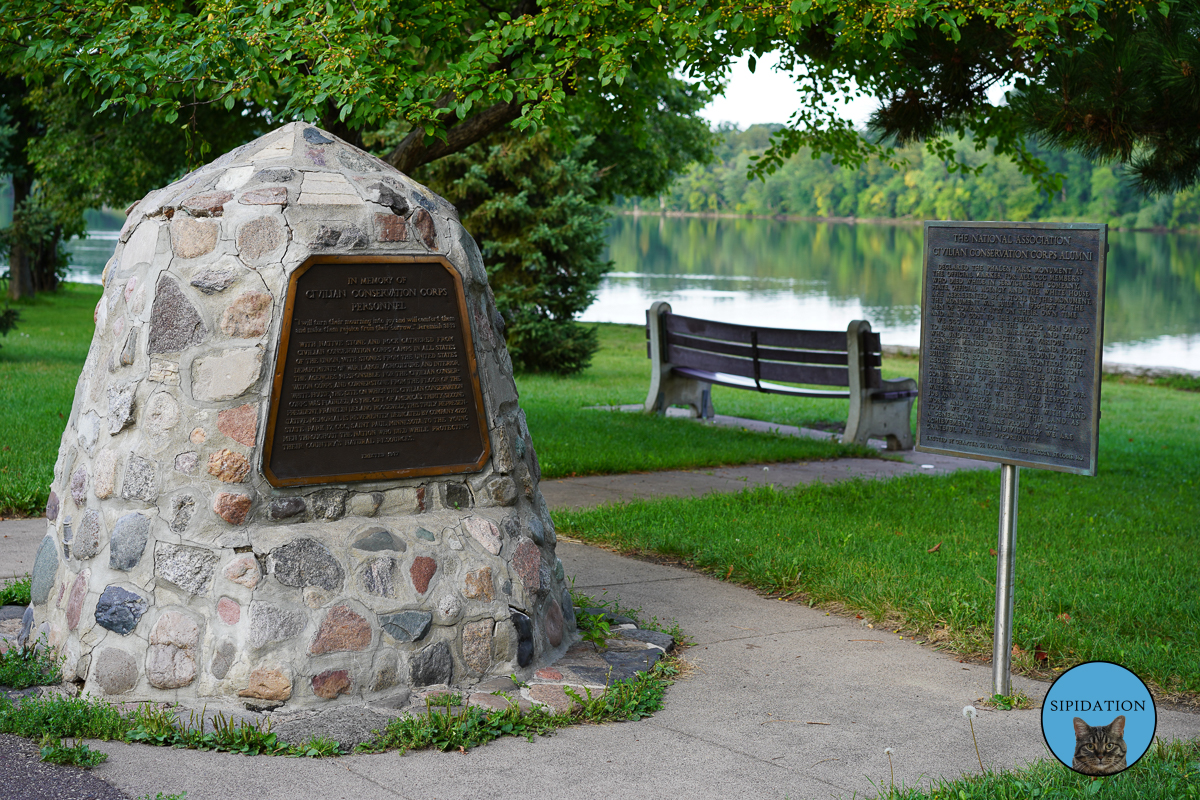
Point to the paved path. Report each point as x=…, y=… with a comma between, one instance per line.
x=783, y=701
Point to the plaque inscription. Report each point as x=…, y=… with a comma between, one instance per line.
x=1011, y=335
x=375, y=377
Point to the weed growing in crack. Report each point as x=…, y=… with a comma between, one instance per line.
x=55, y=752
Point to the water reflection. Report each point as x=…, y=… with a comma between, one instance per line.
x=822, y=275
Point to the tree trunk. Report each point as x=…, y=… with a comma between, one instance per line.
x=20, y=272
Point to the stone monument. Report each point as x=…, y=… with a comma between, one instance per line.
x=295, y=469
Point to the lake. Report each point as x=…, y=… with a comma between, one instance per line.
x=821, y=275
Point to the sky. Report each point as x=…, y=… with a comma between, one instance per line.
x=769, y=96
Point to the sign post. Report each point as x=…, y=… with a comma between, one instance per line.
x=1011, y=337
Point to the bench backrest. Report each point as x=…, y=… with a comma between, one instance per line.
x=769, y=354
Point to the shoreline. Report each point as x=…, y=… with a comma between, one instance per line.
x=899, y=221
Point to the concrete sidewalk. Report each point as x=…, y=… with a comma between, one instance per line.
x=783, y=701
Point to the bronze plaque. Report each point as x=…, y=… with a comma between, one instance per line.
x=1012, y=320
x=375, y=377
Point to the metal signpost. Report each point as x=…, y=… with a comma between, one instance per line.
x=1011, y=335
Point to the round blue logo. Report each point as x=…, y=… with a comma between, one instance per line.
x=1098, y=718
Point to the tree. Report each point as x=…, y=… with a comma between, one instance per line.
x=451, y=74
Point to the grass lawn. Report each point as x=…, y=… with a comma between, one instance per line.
x=1107, y=568
x=39, y=367
x=40, y=363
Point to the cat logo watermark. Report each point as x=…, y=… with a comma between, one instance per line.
x=1098, y=718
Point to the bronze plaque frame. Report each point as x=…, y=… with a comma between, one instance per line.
x=389, y=469
x=993, y=417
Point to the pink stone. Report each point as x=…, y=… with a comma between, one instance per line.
x=330, y=683
x=477, y=645
x=391, y=228
x=553, y=695
x=423, y=223
x=192, y=238
x=485, y=532
x=244, y=570
x=247, y=317
x=78, y=594
x=228, y=466
x=231, y=507
x=549, y=674
x=198, y=436
x=130, y=285
x=171, y=658
x=527, y=561
x=267, y=684
x=478, y=585
x=266, y=196
x=239, y=424
x=342, y=629
x=210, y=204
x=554, y=623
x=229, y=611
x=422, y=571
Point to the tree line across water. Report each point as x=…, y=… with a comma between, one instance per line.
x=923, y=188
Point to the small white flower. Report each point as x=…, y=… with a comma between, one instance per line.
x=887, y=751
x=969, y=712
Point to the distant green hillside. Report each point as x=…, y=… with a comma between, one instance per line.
x=809, y=187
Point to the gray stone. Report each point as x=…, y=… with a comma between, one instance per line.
x=377, y=538
x=356, y=161
x=26, y=627
x=223, y=659
x=314, y=136
x=270, y=623
x=171, y=658
x=189, y=568
x=161, y=415
x=45, y=567
x=329, y=504
x=407, y=626
x=502, y=490
x=537, y=531
x=364, y=504
x=260, y=236
x=183, y=506
x=174, y=322
x=141, y=480
x=306, y=562
x=120, y=407
x=524, y=628
x=86, y=543
x=212, y=281
x=426, y=535
x=628, y=663
x=385, y=195
x=285, y=507
x=115, y=671
x=52, y=507
x=559, y=573
x=128, y=541
x=79, y=486
x=226, y=374
x=378, y=577
x=663, y=640
x=432, y=665
x=66, y=534
x=274, y=175
x=119, y=609
x=456, y=496
x=129, y=351
x=568, y=608
x=347, y=235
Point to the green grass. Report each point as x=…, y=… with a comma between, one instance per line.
x=1168, y=771
x=1106, y=567
x=39, y=367
x=22, y=667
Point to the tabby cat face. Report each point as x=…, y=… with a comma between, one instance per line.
x=1099, y=750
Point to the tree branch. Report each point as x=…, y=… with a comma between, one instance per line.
x=417, y=149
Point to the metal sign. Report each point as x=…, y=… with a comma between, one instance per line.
x=376, y=376
x=1012, y=319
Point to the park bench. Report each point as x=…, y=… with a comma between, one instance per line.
x=688, y=355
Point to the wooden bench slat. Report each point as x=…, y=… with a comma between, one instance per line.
x=738, y=382
x=767, y=353
x=768, y=370
x=767, y=337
